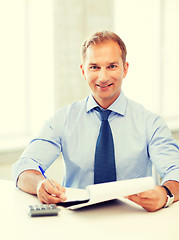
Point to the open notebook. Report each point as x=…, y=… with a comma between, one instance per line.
x=78, y=198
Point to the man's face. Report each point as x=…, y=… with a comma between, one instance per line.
x=104, y=71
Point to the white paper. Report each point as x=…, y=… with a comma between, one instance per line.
x=76, y=194
x=108, y=191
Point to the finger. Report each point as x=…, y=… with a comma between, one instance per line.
x=134, y=198
x=147, y=194
x=40, y=190
x=150, y=200
x=43, y=199
x=48, y=194
x=59, y=187
x=53, y=191
x=51, y=194
x=39, y=185
x=49, y=199
x=150, y=194
x=144, y=203
x=140, y=201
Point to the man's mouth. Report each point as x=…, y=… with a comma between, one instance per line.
x=104, y=86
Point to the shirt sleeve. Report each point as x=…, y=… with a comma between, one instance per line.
x=163, y=150
x=42, y=151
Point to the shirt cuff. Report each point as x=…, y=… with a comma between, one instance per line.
x=171, y=176
x=21, y=166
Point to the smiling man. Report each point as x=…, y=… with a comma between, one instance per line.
x=105, y=137
x=104, y=70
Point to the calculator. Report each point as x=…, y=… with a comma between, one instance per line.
x=43, y=210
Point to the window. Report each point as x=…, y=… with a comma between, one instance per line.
x=26, y=60
x=148, y=27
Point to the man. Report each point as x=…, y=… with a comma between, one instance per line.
x=140, y=137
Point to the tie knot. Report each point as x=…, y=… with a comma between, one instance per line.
x=104, y=114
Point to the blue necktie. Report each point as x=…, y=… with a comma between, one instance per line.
x=104, y=167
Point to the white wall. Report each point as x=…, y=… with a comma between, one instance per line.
x=74, y=20
x=149, y=29
x=54, y=33
x=138, y=22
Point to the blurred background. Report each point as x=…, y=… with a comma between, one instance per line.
x=40, y=43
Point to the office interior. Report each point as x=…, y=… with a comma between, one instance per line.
x=40, y=58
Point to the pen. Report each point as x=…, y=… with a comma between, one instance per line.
x=43, y=173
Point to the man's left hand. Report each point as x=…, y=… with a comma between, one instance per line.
x=151, y=200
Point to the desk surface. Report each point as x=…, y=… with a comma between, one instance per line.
x=118, y=219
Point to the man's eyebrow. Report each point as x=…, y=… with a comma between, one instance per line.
x=110, y=63
x=93, y=64
x=113, y=63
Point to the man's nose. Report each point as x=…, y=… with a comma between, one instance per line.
x=103, y=75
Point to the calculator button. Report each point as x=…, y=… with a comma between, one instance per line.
x=43, y=210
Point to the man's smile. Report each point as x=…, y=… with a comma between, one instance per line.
x=104, y=86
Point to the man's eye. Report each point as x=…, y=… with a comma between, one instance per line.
x=94, y=67
x=112, y=66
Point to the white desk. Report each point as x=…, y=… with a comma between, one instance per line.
x=113, y=220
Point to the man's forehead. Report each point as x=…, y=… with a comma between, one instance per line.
x=103, y=48
x=108, y=53
x=103, y=44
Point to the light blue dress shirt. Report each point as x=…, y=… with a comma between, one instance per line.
x=141, y=139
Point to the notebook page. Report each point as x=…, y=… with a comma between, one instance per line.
x=112, y=190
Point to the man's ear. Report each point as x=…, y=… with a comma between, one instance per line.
x=82, y=71
x=126, y=67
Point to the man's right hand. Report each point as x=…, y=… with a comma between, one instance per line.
x=48, y=194
x=33, y=182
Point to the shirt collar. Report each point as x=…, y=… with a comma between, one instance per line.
x=118, y=106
